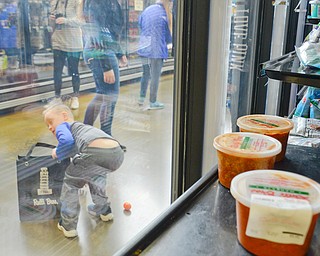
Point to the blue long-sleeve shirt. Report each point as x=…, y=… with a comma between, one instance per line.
x=154, y=32
x=66, y=143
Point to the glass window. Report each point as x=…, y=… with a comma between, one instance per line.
x=39, y=53
x=242, y=53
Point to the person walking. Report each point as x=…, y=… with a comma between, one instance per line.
x=102, y=53
x=155, y=24
x=66, y=44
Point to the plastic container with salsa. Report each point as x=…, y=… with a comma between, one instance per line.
x=274, y=126
x=277, y=211
x=240, y=151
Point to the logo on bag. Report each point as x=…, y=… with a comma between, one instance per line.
x=44, y=182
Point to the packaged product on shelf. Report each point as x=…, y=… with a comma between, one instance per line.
x=314, y=108
x=309, y=52
x=277, y=211
x=310, y=98
x=274, y=126
x=306, y=127
x=240, y=152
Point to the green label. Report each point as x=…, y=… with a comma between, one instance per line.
x=292, y=191
x=263, y=122
x=245, y=143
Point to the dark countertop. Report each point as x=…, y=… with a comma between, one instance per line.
x=208, y=225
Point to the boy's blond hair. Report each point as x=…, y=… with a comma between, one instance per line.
x=57, y=107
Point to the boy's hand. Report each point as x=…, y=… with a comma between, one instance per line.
x=54, y=154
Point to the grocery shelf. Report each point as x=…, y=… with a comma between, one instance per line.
x=287, y=68
x=313, y=21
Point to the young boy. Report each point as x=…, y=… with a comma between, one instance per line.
x=94, y=154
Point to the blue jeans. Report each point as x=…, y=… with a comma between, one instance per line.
x=89, y=168
x=105, y=100
x=59, y=58
x=151, y=71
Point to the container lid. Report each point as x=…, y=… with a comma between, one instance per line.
x=247, y=144
x=275, y=183
x=265, y=124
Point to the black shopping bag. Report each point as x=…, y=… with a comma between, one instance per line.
x=40, y=180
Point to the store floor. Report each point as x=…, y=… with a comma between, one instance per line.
x=144, y=179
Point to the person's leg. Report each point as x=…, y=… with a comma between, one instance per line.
x=95, y=177
x=93, y=109
x=144, y=79
x=73, y=66
x=110, y=96
x=69, y=198
x=102, y=160
x=58, y=63
x=73, y=70
x=97, y=184
x=107, y=112
x=155, y=69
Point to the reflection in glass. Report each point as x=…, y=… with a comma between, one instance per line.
x=27, y=84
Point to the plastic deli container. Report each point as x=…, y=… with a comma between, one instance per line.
x=277, y=211
x=274, y=126
x=240, y=151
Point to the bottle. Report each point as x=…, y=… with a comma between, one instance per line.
x=315, y=8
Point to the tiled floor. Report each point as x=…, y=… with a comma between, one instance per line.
x=144, y=179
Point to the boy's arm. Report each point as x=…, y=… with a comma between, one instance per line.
x=65, y=142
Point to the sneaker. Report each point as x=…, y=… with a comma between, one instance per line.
x=67, y=233
x=156, y=105
x=141, y=101
x=104, y=216
x=56, y=100
x=53, y=101
x=74, y=103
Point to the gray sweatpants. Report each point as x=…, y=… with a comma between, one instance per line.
x=89, y=167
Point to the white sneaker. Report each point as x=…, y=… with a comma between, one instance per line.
x=56, y=100
x=156, y=105
x=105, y=216
x=67, y=233
x=141, y=101
x=74, y=103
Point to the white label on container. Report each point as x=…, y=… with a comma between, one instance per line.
x=278, y=219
